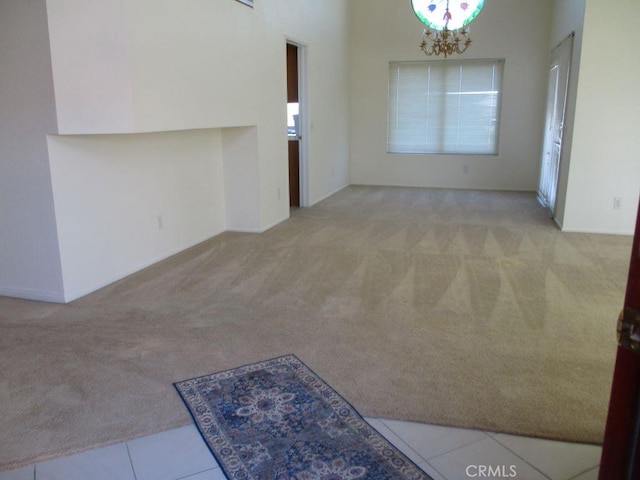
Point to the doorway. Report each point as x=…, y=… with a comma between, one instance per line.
x=296, y=124
x=554, y=124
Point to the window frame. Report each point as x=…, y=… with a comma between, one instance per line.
x=498, y=66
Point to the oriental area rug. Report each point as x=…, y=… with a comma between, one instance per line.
x=279, y=420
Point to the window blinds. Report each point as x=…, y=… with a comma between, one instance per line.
x=449, y=106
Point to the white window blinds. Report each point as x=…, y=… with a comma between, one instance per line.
x=449, y=106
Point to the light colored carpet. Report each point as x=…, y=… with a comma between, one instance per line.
x=450, y=307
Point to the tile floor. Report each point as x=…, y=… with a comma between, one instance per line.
x=444, y=453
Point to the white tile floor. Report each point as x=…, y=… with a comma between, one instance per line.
x=444, y=453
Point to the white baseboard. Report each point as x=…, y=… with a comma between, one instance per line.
x=32, y=295
x=315, y=202
x=71, y=296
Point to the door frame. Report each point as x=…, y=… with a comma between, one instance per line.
x=303, y=100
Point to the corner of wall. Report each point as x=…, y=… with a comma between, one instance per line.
x=241, y=178
x=29, y=257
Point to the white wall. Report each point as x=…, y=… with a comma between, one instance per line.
x=124, y=202
x=203, y=64
x=384, y=31
x=209, y=64
x=202, y=75
x=194, y=63
x=90, y=54
x=241, y=179
x=605, y=152
x=29, y=263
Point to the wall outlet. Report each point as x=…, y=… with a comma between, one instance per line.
x=465, y=169
x=617, y=203
x=160, y=222
x=278, y=194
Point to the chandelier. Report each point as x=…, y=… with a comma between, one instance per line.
x=446, y=20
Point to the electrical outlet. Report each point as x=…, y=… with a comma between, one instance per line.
x=465, y=169
x=278, y=194
x=160, y=222
x=617, y=203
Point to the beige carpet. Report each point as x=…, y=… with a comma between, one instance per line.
x=459, y=308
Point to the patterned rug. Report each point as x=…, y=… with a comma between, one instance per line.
x=278, y=420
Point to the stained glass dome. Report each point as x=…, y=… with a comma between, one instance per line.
x=452, y=14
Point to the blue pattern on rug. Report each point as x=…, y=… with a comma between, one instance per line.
x=278, y=420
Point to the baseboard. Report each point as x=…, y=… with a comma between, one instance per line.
x=269, y=226
x=70, y=297
x=328, y=195
x=624, y=233
x=32, y=295
x=244, y=230
x=467, y=188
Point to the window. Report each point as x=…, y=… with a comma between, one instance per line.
x=293, y=122
x=450, y=106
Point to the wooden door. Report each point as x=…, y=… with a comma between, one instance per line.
x=621, y=449
x=294, y=139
